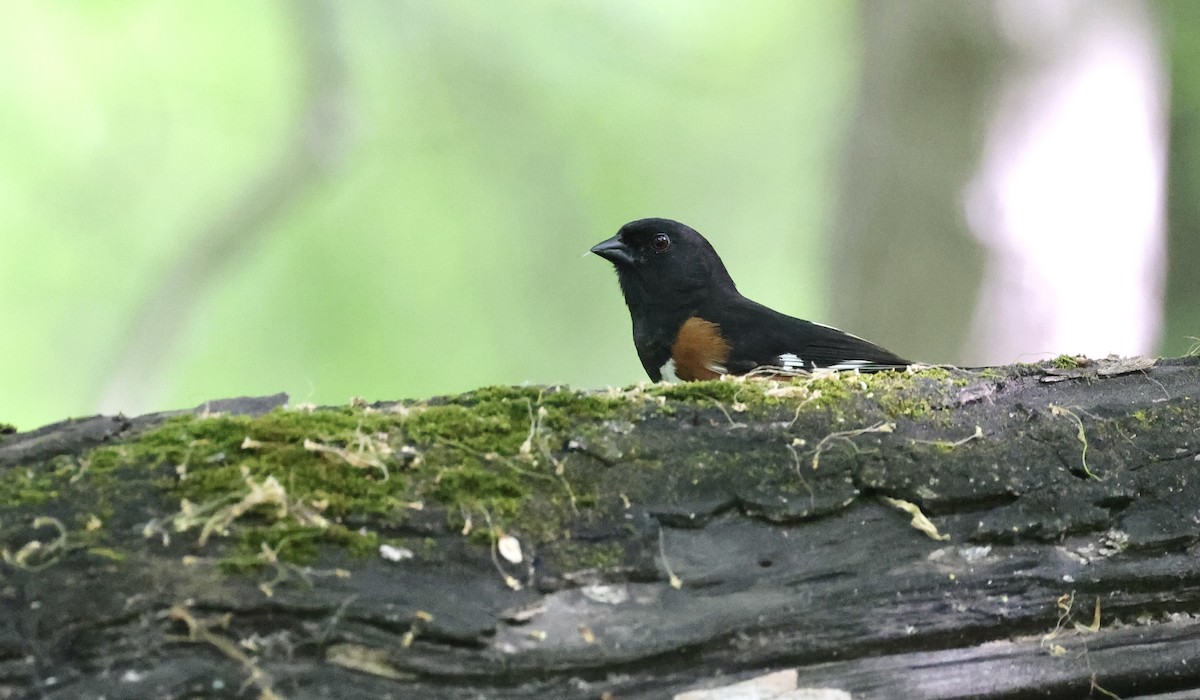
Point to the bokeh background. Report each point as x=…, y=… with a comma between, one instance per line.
x=391, y=199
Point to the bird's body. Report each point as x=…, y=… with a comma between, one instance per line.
x=691, y=323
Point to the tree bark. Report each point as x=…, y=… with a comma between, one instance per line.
x=1027, y=531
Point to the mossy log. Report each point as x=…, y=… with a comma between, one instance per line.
x=1026, y=531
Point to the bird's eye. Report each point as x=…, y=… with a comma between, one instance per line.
x=660, y=242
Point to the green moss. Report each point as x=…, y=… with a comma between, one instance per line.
x=493, y=426
x=934, y=373
x=955, y=377
x=701, y=392
x=107, y=459
x=564, y=409
x=1065, y=362
x=554, y=399
x=30, y=486
x=494, y=458
x=501, y=394
x=844, y=394
x=474, y=485
x=835, y=391
x=895, y=394
x=293, y=544
x=908, y=407
x=297, y=545
x=473, y=454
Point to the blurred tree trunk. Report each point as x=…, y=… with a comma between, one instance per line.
x=1007, y=160
x=1182, y=322
x=928, y=75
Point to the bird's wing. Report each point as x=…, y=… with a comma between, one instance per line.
x=764, y=337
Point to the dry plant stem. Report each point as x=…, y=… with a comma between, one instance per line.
x=200, y=631
x=846, y=435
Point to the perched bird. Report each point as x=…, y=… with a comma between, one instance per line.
x=690, y=322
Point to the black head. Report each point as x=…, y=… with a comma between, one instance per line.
x=663, y=262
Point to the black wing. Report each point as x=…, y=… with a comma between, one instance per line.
x=763, y=337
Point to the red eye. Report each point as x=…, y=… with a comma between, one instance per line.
x=660, y=242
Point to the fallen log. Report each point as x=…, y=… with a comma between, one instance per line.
x=1025, y=531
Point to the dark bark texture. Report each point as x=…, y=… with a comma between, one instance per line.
x=757, y=536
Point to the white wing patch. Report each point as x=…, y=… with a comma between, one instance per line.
x=852, y=364
x=791, y=361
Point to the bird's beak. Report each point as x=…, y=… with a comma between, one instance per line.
x=614, y=251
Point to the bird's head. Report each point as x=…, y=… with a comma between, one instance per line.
x=663, y=262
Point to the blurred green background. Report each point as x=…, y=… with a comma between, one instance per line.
x=459, y=158
x=390, y=199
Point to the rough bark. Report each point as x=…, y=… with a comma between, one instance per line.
x=716, y=533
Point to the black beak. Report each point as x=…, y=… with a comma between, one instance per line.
x=614, y=251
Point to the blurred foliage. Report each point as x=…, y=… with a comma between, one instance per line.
x=391, y=199
x=1181, y=332
x=479, y=149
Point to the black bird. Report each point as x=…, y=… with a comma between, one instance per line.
x=690, y=322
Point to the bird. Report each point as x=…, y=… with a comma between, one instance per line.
x=690, y=323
